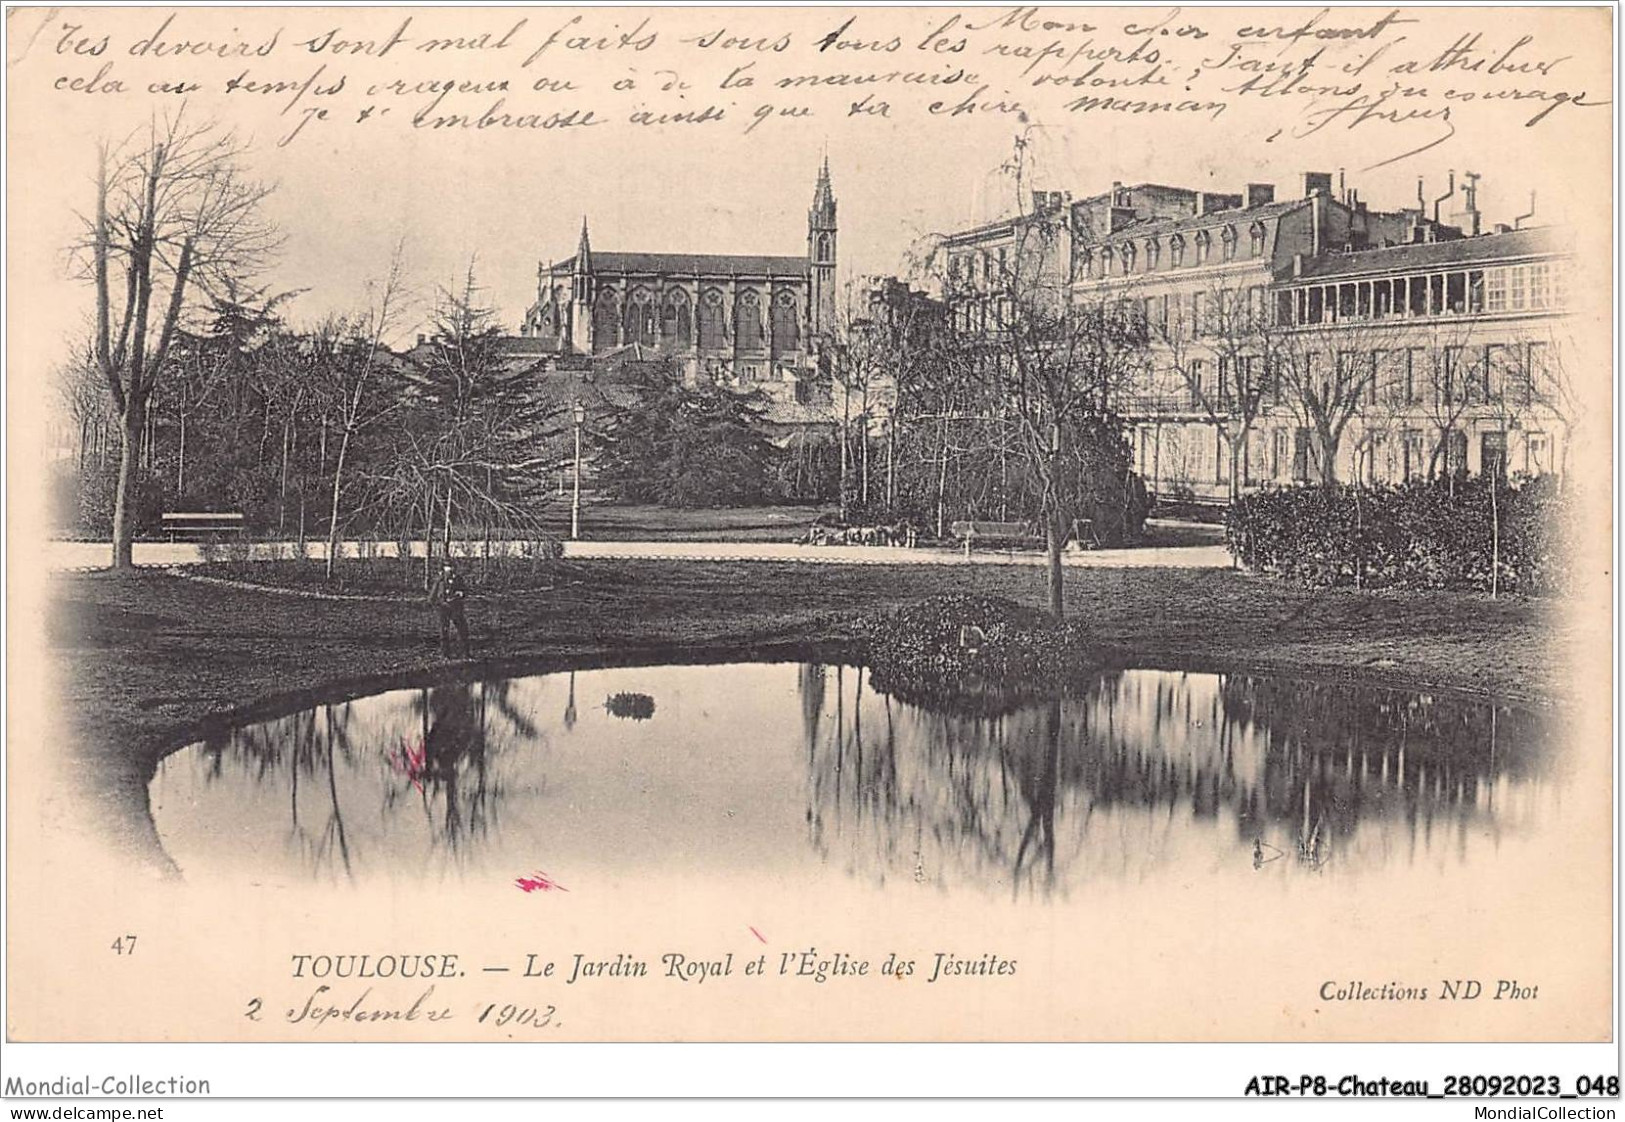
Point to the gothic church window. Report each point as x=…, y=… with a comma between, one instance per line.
x=786, y=323
x=713, y=334
x=606, y=321
x=640, y=318
x=675, y=329
x=748, y=321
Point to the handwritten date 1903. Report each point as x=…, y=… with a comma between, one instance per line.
x=518, y=1016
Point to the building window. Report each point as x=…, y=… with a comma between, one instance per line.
x=1204, y=246
x=1255, y=308
x=1153, y=254
x=1495, y=290
x=1517, y=288
x=1255, y=240
x=1004, y=267
x=1537, y=374
x=676, y=331
x=1228, y=239
x=1540, y=279
x=1194, y=383
x=786, y=324
x=1452, y=388
x=1105, y=260
x=1560, y=285
x=606, y=321
x=713, y=334
x=1285, y=305
x=1199, y=318
x=748, y=321
x=1086, y=263
x=1127, y=257
x=1539, y=453
x=1300, y=455
x=1495, y=371
x=1176, y=250
x=640, y=318
x=1354, y=373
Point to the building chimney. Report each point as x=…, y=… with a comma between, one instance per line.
x=1317, y=183
x=1517, y=223
x=1260, y=194
x=1468, y=217
x=1444, y=197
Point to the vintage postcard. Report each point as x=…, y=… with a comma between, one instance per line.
x=792, y=524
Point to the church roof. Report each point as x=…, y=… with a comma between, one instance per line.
x=690, y=264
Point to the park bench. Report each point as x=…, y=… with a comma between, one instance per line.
x=1018, y=535
x=1008, y=534
x=201, y=523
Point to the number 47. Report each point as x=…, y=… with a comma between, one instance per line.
x=125, y=944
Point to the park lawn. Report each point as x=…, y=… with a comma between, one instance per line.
x=149, y=661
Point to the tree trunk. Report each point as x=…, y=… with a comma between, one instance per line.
x=891, y=464
x=333, y=515
x=180, y=462
x=1495, y=538
x=124, y=514
x=282, y=483
x=863, y=431
x=942, y=482
x=447, y=534
x=428, y=537
x=1053, y=576
x=846, y=424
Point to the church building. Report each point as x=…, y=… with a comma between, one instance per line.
x=722, y=316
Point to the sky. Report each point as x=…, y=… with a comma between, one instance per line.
x=345, y=194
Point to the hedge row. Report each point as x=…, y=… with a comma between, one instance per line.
x=1417, y=535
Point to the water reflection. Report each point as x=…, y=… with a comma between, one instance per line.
x=808, y=770
x=435, y=771
x=1140, y=770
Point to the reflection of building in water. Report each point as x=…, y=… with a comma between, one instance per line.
x=1093, y=783
x=367, y=780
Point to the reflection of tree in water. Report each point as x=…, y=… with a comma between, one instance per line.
x=434, y=752
x=1138, y=756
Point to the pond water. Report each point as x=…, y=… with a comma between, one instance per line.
x=805, y=773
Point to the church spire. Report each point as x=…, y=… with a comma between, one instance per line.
x=821, y=234
x=823, y=208
x=584, y=250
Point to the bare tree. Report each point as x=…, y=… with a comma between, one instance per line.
x=1327, y=376
x=1222, y=351
x=355, y=408
x=175, y=215
x=1057, y=366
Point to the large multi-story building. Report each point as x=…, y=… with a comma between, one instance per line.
x=1298, y=338
x=749, y=318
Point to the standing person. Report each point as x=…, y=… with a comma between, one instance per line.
x=447, y=596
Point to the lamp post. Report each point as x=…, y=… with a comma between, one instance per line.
x=575, y=499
